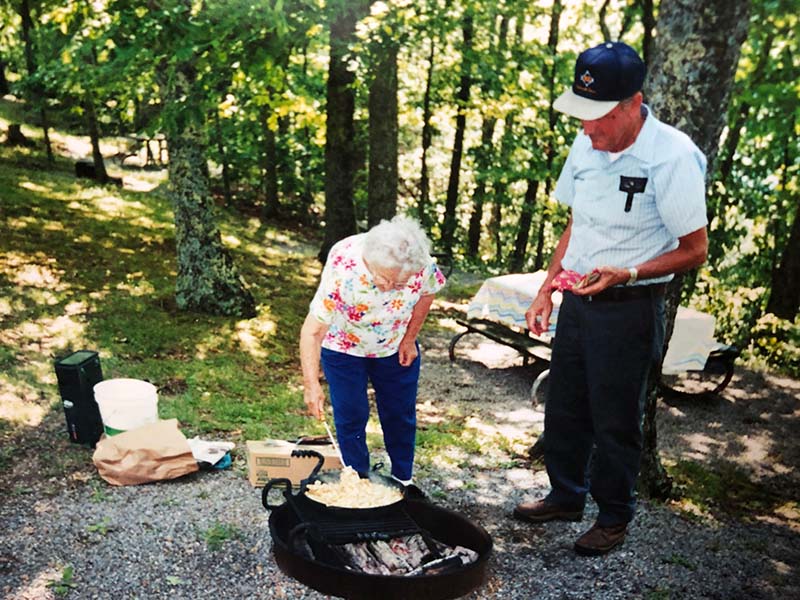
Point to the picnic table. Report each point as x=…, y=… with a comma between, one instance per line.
x=695, y=362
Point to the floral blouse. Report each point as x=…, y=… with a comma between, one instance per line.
x=362, y=320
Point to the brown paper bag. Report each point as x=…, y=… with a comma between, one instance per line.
x=150, y=453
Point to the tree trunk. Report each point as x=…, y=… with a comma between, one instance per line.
x=538, y=259
x=207, y=278
x=695, y=58
x=523, y=231
x=340, y=150
x=529, y=205
x=482, y=164
x=716, y=214
x=784, y=299
x=270, y=171
x=462, y=98
x=648, y=24
x=427, y=140
x=94, y=135
x=37, y=93
x=4, y=89
x=382, y=183
x=485, y=154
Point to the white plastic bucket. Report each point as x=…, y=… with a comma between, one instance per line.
x=126, y=404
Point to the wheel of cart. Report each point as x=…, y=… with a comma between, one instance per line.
x=712, y=379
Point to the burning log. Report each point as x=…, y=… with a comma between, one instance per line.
x=403, y=556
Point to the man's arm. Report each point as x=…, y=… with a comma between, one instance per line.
x=407, y=351
x=311, y=336
x=538, y=315
x=691, y=252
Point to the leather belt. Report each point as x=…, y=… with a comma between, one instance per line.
x=623, y=294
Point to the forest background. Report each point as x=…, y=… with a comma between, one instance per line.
x=335, y=115
x=311, y=120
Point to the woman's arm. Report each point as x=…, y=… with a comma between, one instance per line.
x=407, y=351
x=311, y=336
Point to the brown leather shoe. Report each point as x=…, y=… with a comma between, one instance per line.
x=541, y=511
x=600, y=540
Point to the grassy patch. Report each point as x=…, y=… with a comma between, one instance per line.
x=92, y=267
x=721, y=489
x=63, y=585
x=218, y=534
x=85, y=266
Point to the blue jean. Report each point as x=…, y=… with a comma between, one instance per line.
x=602, y=353
x=395, y=396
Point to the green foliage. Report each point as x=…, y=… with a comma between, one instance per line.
x=102, y=528
x=219, y=533
x=62, y=586
x=777, y=342
x=677, y=559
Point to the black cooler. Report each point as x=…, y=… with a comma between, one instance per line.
x=77, y=375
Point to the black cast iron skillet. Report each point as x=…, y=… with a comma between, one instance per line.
x=326, y=477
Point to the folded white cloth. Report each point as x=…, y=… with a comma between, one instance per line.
x=210, y=452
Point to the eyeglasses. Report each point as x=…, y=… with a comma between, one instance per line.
x=388, y=283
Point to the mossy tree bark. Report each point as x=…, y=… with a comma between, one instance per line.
x=691, y=75
x=208, y=280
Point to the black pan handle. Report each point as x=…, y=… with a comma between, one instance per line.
x=287, y=492
x=315, y=470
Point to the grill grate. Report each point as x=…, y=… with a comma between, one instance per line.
x=337, y=527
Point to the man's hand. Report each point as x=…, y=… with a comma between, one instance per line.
x=538, y=315
x=607, y=277
x=314, y=398
x=407, y=352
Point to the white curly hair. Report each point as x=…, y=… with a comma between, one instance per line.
x=397, y=244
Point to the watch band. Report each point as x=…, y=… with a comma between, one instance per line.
x=634, y=275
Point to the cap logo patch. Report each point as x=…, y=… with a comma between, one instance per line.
x=587, y=79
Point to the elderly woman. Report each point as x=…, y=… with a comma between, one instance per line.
x=374, y=294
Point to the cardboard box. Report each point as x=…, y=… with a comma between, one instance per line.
x=271, y=459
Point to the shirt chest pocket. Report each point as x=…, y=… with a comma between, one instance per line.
x=614, y=197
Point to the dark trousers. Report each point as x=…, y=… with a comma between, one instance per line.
x=395, y=396
x=602, y=353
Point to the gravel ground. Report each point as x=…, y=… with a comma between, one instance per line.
x=156, y=541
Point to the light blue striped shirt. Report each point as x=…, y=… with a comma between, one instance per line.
x=672, y=204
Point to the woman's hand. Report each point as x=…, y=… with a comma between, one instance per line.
x=314, y=398
x=407, y=352
x=311, y=336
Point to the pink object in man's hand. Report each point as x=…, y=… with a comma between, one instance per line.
x=566, y=280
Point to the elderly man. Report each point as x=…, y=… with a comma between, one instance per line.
x=635, y=187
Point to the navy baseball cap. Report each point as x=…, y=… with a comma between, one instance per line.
x=604, y=75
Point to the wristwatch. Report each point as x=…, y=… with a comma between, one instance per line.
x=634, y=275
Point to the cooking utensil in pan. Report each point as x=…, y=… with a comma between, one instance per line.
x=333, y=441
